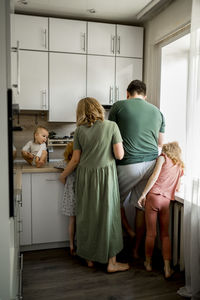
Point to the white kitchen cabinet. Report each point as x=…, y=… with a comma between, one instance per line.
x=30, y=31
x=67, y=85
x=129, y=41
x=67, y=35
x=48, y=224
x=41, y=220
x=30, y=76
x=119, y=40
x=101, y=38
x=127, y=69
x=101, y=78
x=25, y=211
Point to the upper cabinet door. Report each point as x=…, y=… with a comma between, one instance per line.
x=31, y=32
x=100, y=78
x=67, y=85
x=127, y=69
x=30, y=75
x=129, y=41
x=101, y=38
x=67, y=35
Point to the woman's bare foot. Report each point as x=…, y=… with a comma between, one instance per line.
x=90, y=263
x=148, y=266
x=131, y=233
x=117, y=267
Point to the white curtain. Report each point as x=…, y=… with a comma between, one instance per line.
x=192, y=182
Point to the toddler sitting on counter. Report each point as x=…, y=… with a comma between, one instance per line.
x=36, y=150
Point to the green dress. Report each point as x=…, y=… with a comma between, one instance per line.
x=99, y=231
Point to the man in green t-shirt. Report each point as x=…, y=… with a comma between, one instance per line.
x=142, y=126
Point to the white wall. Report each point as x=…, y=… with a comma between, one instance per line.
x=177, y=14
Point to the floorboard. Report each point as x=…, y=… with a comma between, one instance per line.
x=55, y=275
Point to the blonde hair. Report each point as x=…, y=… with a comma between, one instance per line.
x=89, y=110
x=173, y=151
x=38, y=129
x=68, y=151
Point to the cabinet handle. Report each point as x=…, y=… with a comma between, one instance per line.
x=112, y=44
x=21, y=262
x=83, y=47
x=51, y=179
x=19, y=201
x=118, y=44
x=45, y=38
x=19, y=197
x=111, y=95
x=44, y=98
x=117, y=93
x=17, y=85
x=20, y=226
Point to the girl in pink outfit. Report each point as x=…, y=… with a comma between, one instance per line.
x=160, y=189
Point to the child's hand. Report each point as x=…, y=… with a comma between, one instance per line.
x=30, y=156
x=62, y=178
x=142, y=201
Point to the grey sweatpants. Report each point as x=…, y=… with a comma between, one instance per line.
x=133, y=179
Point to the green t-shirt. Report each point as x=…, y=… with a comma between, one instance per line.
x=139, y=123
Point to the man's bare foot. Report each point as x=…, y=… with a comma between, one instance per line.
x=117, y=267
x=90, y=263
x=148, y=266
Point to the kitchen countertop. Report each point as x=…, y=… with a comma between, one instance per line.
x=23, y=167
x=26, y=168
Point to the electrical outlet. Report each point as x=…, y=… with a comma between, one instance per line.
x=50, y=149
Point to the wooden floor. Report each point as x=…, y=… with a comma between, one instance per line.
x=55, y=275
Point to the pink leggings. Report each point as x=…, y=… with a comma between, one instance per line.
x=157, y=205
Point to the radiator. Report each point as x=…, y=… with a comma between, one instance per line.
x=177, y=234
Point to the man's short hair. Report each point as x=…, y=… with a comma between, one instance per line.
x=137, y=86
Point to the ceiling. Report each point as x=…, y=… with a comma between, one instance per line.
x=112, y=11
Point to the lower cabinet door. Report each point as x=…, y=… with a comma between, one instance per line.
x=25, y=211
x=48, y=224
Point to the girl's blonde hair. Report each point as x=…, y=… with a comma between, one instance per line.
x=89, y=110
x=68, y=151
x=173, y=151
x=38, y=129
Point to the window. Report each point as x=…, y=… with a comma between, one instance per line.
x=174, y=79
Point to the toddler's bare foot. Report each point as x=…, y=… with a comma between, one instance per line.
x=148, y=266
x=131, y=233
x=117, y=267
x=90, y=263
x=135, y=254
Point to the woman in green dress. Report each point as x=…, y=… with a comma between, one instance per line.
x=97, y=142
